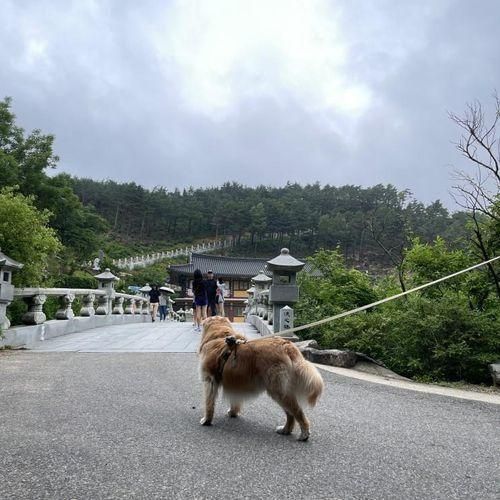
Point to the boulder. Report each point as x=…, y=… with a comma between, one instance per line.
x=307, y=343
x=332, y=357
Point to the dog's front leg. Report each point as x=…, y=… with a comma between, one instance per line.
x=211, y=388
x=234, y=408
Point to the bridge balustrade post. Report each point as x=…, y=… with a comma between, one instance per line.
x=138, y=305
x=88, y=305
x=65, y=310
x=251, y=301
x=182, y=315
x=269, y=313
x=130, y=305
x=7, y=265
x=286, y=318
x=118, y=305
x=35, y=314
x=188, y=315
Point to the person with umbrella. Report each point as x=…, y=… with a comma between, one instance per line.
x=164, y=302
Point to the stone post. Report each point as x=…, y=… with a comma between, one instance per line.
x=286, y=318
x=88, y=305
x=284, y=290
x=265, y=304
x=7, y=265
x=182, y=315
x=106, y=282
x=251, y=300
x=118, y=305
x=130, y=305
x=188, y=315
x=138, y=305
x=35, y=314
x=66, y=310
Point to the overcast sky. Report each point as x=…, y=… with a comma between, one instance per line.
x=196, y=93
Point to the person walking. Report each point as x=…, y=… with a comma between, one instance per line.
x=154, y=299
x=211, y=287
x=163, y=301
x=200, y=299
x=221, y=287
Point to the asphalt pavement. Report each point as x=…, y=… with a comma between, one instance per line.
x=125, y=425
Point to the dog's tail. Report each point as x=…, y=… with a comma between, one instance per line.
x=308, y=380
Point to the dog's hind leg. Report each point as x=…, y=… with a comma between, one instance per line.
x=289, y=425
x=292, y=408
x=211, y=388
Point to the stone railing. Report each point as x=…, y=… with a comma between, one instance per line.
x=259, y=309
x=103, y=306
x=183, y=316
x=146, y=260
x=99, y=302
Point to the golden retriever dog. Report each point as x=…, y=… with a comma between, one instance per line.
x=245, y=368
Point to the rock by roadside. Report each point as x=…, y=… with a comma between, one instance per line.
x=345, y=359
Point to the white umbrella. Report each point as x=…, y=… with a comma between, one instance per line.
x=166, y=289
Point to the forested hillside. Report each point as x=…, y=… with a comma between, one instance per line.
x=366, y=223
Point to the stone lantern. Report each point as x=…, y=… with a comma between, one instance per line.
x=7, y=265
x=261, y=284
x=284, y=290
x=106, y=282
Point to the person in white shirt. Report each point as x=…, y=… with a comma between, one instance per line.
x=219, y=298
x=163, y=306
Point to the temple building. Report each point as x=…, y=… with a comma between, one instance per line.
x=235, y=271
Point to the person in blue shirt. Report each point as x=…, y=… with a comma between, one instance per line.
x=200, y=299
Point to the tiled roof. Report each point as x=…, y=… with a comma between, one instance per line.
x=241, y=267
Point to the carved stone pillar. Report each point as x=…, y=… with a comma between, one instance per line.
x=118, y=305
x=88, y=305
x=102, y=305
x=145, y=307
x=130, y=305
x=65, y=310
x=138, y=305
x=35, y=314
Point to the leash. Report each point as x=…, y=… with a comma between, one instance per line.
x=378, y=302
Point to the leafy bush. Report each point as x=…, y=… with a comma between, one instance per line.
x=439, y=335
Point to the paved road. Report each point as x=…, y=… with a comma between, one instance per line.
x=125, y=425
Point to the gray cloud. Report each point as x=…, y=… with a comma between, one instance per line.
x=117, y=105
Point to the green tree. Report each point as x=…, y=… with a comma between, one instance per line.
x=24, y=161
x=26, y=237
x=258, y=221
